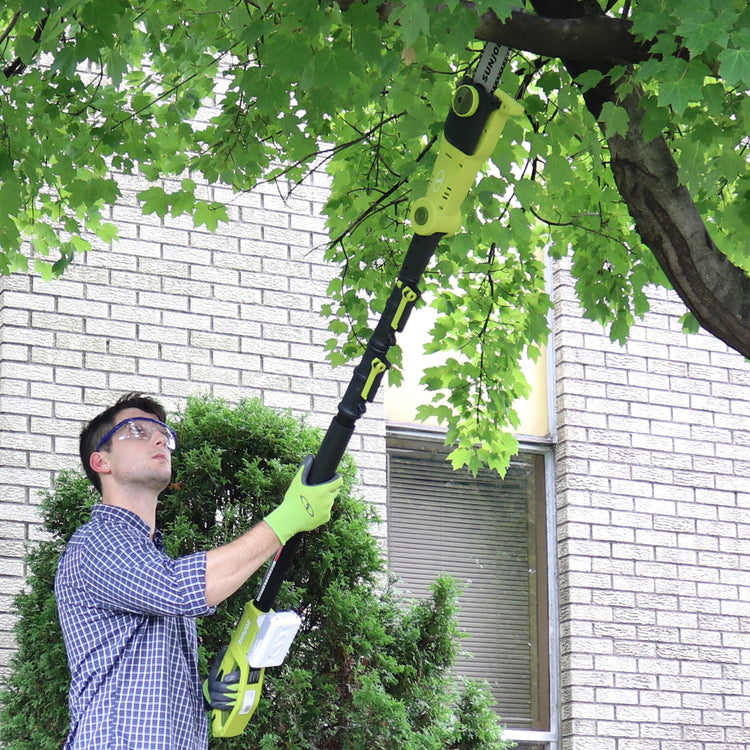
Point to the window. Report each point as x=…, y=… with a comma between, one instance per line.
x=489, y=533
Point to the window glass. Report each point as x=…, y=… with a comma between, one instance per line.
x=487, y=532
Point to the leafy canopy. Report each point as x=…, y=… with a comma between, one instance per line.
x=194, y=92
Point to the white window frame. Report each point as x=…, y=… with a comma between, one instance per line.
x=547, y=739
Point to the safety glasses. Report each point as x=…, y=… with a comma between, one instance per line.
x=140, y=428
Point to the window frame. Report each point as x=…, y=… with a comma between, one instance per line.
x=531, y=738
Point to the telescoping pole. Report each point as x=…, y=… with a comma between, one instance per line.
x=472, y=129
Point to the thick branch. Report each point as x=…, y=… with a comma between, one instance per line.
x=716, y=291
x=587, y=37
x=594, y=37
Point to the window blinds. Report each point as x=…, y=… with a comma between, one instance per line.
x=481, y=531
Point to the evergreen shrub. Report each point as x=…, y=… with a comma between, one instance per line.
x=369, y=668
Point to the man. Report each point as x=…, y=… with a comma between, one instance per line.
x=128, y=610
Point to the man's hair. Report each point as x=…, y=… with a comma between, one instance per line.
x=101, y=424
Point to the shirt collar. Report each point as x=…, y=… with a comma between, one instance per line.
x=114, y=513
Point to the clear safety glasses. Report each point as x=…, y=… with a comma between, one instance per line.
x=140, y=428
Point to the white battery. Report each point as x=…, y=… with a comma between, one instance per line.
x=275, y=635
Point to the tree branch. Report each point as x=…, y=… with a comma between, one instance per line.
x=716, y=291
x=18, y=66
x=666, y=217
x=592, y=37
x=9, y=28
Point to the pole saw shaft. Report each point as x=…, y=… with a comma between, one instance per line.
x=471, y=131
x=361, y=390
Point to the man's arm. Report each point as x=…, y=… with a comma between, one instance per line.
x=229, y=566
x=304, y=508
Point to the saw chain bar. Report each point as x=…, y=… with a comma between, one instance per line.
x=490, y=66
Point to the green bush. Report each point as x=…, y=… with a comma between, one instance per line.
x=368, y=669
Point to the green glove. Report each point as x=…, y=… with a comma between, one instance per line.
x=305, y=506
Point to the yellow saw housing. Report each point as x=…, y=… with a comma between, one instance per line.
x=455, y=171
x=231, y=723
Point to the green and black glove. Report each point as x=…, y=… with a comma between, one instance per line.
x=305, y=506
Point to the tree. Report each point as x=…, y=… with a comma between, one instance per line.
x=617, y=93
x=368, y=669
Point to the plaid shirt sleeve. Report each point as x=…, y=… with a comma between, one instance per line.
x=141, y=579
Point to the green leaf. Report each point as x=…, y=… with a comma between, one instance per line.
x=332, y=66
x=182, y=202
x=529, y=192
x=735, y=66
x=117, y=67
x=26, y=48
x=155, y=201
x=91, y=191
x=690, y=323
x=615, y=119
x=209, y=214
x=699, y=28
x=107, y=232
x=589, y=79
x=415, y=21
x=44, y=269
x=683, y=86
x=141, y=101
x=649, y=21
x=501, y=8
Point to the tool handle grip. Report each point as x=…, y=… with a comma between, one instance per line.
x=231, y=723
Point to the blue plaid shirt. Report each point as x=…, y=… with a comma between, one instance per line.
x=127, y=612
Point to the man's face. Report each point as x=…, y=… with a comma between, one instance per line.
x=138, y=455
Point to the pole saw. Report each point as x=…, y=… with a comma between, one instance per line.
x=478, y=113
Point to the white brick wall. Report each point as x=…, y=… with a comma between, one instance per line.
x=653, y=503
x=172, y=311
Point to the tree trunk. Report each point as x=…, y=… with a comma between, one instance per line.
x=716, y=291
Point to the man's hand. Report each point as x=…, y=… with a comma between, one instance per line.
x=221, y=693
x=305, y=506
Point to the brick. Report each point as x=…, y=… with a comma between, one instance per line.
x=213, y=375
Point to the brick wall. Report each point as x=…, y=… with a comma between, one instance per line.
x=653, y=494
x=170, y=310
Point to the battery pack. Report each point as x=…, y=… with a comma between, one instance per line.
x=275, y=635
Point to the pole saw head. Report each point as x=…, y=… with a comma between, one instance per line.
x=472, y=129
